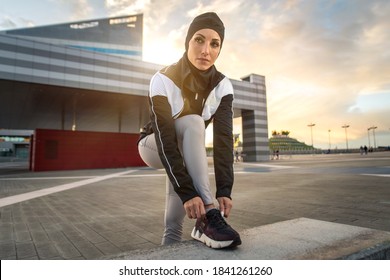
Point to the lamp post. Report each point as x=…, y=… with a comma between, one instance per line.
x=373, y=132
x=346, y=136
x=329, y=139
x=311, y=132
x=368, y=132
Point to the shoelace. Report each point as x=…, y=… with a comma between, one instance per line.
x=217, y=220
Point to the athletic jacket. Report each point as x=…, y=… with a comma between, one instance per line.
x=168, y=102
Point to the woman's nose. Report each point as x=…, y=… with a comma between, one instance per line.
x=205, y=49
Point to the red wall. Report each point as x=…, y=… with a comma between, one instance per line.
x=70, y=150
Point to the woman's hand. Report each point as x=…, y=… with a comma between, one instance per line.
x=195, y=208
x=225, y=205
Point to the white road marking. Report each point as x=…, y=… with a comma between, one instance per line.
x=34, y=194
x=45, y=178
x=271, y=166
x=377, y=175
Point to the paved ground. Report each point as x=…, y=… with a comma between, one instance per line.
x=92, y=214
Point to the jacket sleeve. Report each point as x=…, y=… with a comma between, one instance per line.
x=223, y=147
x=164, y=131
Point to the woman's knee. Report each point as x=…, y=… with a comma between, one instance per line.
x=193, y=124
x=196, y=121
x=147, y=149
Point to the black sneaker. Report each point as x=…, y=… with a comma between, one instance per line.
x=215, y=232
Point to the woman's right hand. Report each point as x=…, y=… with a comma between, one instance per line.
x=195, y=208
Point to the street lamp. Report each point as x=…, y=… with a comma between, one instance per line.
x=311, y=131
x=373, y=132
x=329, y=139
x=346, y=136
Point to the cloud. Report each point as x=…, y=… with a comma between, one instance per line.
x=125, y=6
x=12, y=22
x=79, y=9
x=7, y=23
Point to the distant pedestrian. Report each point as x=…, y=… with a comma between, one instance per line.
x=361, y=150
x=365, y=149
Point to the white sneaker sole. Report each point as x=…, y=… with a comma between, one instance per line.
x=195, y=234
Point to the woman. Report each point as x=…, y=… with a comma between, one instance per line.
x=184, y=98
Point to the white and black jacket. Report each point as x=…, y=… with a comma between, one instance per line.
x=168, y=102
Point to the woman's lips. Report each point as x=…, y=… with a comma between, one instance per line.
x=203, y=60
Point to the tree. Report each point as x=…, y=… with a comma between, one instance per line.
x=285, y=132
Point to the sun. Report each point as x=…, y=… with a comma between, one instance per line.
x=161, y=51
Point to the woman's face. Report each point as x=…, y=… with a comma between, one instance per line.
x=204, y=48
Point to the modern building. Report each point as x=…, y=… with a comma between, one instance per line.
x=89, y=76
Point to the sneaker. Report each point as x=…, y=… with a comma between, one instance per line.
x=214, y=231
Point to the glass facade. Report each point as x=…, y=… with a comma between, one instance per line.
x=116, y=36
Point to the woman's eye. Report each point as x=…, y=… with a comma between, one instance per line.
x=215, y=44
x=199, y=40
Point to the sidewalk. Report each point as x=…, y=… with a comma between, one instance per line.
x=93, y=214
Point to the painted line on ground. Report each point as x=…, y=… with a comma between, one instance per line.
x=124, y=176
x=39, y=193
x=270, y=165
x=46, y=178
x=377, y=175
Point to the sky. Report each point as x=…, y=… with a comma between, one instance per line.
x=325, y=62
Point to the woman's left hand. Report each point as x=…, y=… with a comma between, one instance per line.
x=225, y=205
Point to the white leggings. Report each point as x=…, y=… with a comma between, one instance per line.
x=190, y=132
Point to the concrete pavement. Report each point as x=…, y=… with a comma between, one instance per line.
x=94, y=214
